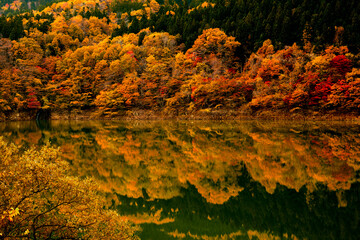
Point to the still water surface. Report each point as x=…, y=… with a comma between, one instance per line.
x=216, y=180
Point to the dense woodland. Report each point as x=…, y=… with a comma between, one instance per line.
x=179, y=57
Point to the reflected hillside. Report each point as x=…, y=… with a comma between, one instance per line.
x=157, y=159
x=203, y=180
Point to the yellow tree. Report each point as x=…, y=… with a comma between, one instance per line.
x=160, y=45
x=27, y=52
x=38, y=200
x=154, y=82
x=59, y=24
x=119, y=97
x=214, y=43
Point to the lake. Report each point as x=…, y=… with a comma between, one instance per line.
x=216, y=180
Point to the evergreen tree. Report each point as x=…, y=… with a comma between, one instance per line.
x=17, y=30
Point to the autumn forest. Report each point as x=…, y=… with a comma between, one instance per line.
x=174, y=62
x=114, y=58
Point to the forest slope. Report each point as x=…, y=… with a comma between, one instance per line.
x=112, y=57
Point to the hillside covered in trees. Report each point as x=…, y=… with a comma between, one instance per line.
x=114, y=57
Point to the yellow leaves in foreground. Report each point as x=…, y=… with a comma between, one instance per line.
x=52, y=204
x=10, y=214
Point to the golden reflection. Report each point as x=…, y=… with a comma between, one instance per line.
x=253, y=234
x=179, y=235
x=141, y=218
x=161, y=159
x=294, y=162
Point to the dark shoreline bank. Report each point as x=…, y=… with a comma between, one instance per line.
x=199, y=115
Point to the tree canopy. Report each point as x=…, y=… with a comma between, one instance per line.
x=40, y=200
x=180, y=57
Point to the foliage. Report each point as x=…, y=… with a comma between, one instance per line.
x=39, y=200
x=114, y=56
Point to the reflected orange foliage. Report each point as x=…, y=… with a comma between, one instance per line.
x=161, y=159
x=149, y=218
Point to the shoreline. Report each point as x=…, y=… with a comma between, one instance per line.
x=271, y=115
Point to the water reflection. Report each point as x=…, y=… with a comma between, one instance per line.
x=201, y=180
